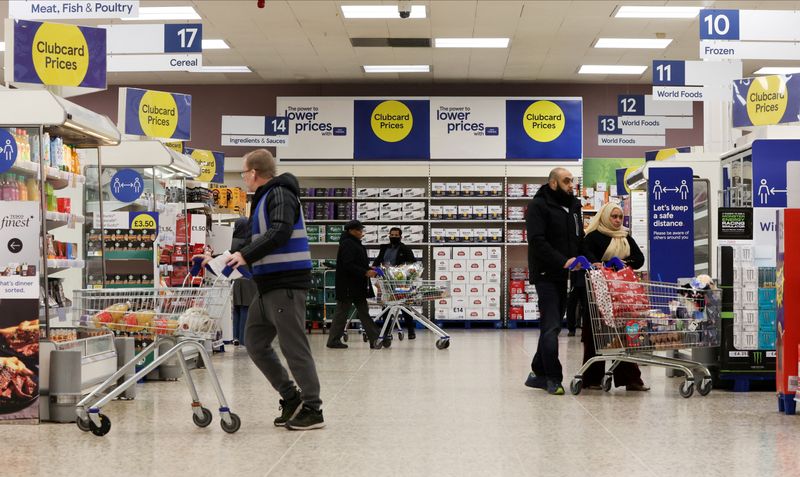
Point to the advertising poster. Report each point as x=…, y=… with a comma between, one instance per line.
x=542, y=128
x=319, y=128
x=212, y=164
x=766, y=100
x=663, y=154
x=468, y=128
x=55, y=54
x=671, y=223
x=391, y=129
x=155, y=114
x=605, y=170
x=19, y=310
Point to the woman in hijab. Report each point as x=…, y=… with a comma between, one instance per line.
x=607, y=238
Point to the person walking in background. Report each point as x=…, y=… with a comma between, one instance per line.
x=607, y=238
x=397, y=253
x=244, y=290
x=280, y=259
x=555, y=233
x=353, y=286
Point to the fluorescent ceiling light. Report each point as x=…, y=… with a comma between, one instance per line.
x=657, y=12
x=632, y=42
x=380, y=11
x=223, y=69
x=2, y=46
x=215, y=45
x=397, y=68
x=165, y=13
x=777, y=70
x=611, y=70
x=470, y=42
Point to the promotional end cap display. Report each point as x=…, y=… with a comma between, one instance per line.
x=354, y=225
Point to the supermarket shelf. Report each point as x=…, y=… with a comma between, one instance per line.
x=456, y=197
x=389, y=199
x=488, y=221
x=58, y=179
x=331, y=221
x=58, y=219
x=324, y=198
x=113, y=205
x=223, y=217
x=57, y=264
x=197, y=205
x=403, y=222
x=515, y=221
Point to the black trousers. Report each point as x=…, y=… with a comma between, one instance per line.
x=340, y=319
x=552, y=304
x=573, y=304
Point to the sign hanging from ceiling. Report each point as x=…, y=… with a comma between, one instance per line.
x=749, y=34
x=766, y=100
x=542, y=128
x=391, y=129
x=679, y=80
x=55, y=54
x=156, y=47
x=212, y=164
x=257, y=131
x=467, y=127
x=155, y=114
x=53, y=10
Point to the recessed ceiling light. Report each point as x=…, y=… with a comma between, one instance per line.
x=657, y=12
x=380, y=11
x=165, y=13
x=397, y=68
x=612, y=70
x=632, y=42
x=470, y=42
x=223, y=69
x=777, y=70
x=215, y=45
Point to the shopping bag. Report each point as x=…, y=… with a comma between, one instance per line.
x=601, y=295
x=628, y=296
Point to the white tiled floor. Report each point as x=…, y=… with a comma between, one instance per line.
x=415, y=410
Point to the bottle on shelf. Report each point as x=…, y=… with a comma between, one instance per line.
x=33, y=189
x=22, y=191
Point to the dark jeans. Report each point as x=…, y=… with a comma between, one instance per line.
x=343, y=312
x=239, y=321
x=573, y=303
x=552, y=304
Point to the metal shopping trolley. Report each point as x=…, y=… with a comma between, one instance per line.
x=399, y=296
x=632, y=320
x=184, y=317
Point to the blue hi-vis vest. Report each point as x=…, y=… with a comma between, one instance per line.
x=293, y=255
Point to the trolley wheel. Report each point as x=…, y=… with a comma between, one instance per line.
x=705, y=386
x=575, y=386
x=83, y=425
x=606, y=382
x=364, y=337
x=686, y=389
x=234, y=426
x=400, y=335
x=105, y=425
x=387, y=343
x=203, y=421
x=442, y=343
x=344, y=337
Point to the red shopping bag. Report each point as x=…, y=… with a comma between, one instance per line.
x=628, y=296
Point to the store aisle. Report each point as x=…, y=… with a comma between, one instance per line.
x=414, y=410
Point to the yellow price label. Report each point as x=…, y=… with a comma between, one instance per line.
x=143, y=222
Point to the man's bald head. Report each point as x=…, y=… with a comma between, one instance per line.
x=560, y=178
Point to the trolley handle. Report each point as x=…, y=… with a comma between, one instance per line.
x=615, y=263
x=226, y=272
x=197, y=266
x=582, y=261
x=379, y=271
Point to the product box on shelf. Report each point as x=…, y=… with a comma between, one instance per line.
x=442, y=265
x=515, y=236
x=516, y=212
x=458, y=289
x=530, y=311
x=494, y=235
x=518, y=299
x=449, y=212
x=333, y=233
x=443, y=276
x=465, y=212
x=766, y=340
x=748, y=297
x=480, y=212
x=391, y=192
x=767, y=298
x=413, y=215
x=516, y=313
x=391, y=215
x=459, y=277
x=475, y=289
x=452, y=235
x=458, y=265
x=477, y=253
x=413, y=192
x=476, y=301
x=516, y=287
x=493, y=277
x=532, y=189
x=492, y=289
x=461, y=253
x=474, y=265
x=518, y=273
x=481, y=189
x=368, y=215
x=745, y=340
x=494, y=189
x=749, y=275
x=407, y=206
x=492, y=301
x=435, y=212
x=457, y=313
x=438, y=189
x=391, y=207
x=441, y=313
x=437, y=235
x=493, y=253
x=477, y=277
x=515, y=190
x=453, y=189
x=418, y=252
x=767, y=320
x=466, y=235
x=491, y=313
x=442, y=252
x=494, y=212
x=467, y=189
x=473, y=313
x=367, y=192
x=479, y=235
x=492, y=265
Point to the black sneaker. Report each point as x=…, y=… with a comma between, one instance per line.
x=412, y=335
x=288, y=410
x=306, y=420
x=538, y=382
x=337, y=345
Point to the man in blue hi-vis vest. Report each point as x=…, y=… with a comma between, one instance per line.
x=280, y=259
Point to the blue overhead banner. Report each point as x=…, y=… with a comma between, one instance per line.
x=661, y=154
x=769, y=170
x=212, y=164
x=671, y=223
x=391, y=129
x=544, y=129
x=156, y=114
x=766, y=100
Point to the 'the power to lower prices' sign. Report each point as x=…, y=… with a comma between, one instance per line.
x=55, y=54
x=155, y=114
x=766, y=100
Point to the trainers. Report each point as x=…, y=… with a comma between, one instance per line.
x=288, y=410
x=306, y=420
x=538, y=382
x=337, y=345
x=571, y=333
x=412, y=335
x=555, y=388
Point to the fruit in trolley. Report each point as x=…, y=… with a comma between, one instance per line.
x=165, y=326
x=144, y=319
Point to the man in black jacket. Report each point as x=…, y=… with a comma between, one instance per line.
x=280, y=259
x=555, y=232
x=352, y=285
x=397, y=253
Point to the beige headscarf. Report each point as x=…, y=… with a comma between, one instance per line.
x=601, y=222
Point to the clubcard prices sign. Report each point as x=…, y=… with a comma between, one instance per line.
x=212, y=164
x=544, y=129
x=766, y=100
x=391, y=129
x=54, y=54
x=155, y=114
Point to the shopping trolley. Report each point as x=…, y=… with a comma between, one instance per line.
x=632, y=320
x=398, y=296
x=182, y=317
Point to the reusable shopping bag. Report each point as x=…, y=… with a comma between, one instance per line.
x=618, y=295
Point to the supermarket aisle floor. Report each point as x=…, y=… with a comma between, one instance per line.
x=414, y=410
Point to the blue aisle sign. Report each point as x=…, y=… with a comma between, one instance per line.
x=157, y=114
x=608, y=125
x=544, y=129
x=669, y=73
x=671, y=223
x=126, y=185
x=766, y=100
x=719, y=24
x=769, y=170
x=183, y=38
x=630, y=105
x=392, y=129
x=212, y=164
x=276, y=126
x=8, y=150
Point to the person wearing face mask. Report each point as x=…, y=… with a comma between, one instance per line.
x=607, y=238
x=555, y=236
x=397, y=253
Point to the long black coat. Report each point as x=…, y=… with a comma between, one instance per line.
x=352, y=264
x=404, y=255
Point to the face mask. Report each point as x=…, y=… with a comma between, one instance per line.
x=394, y=240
